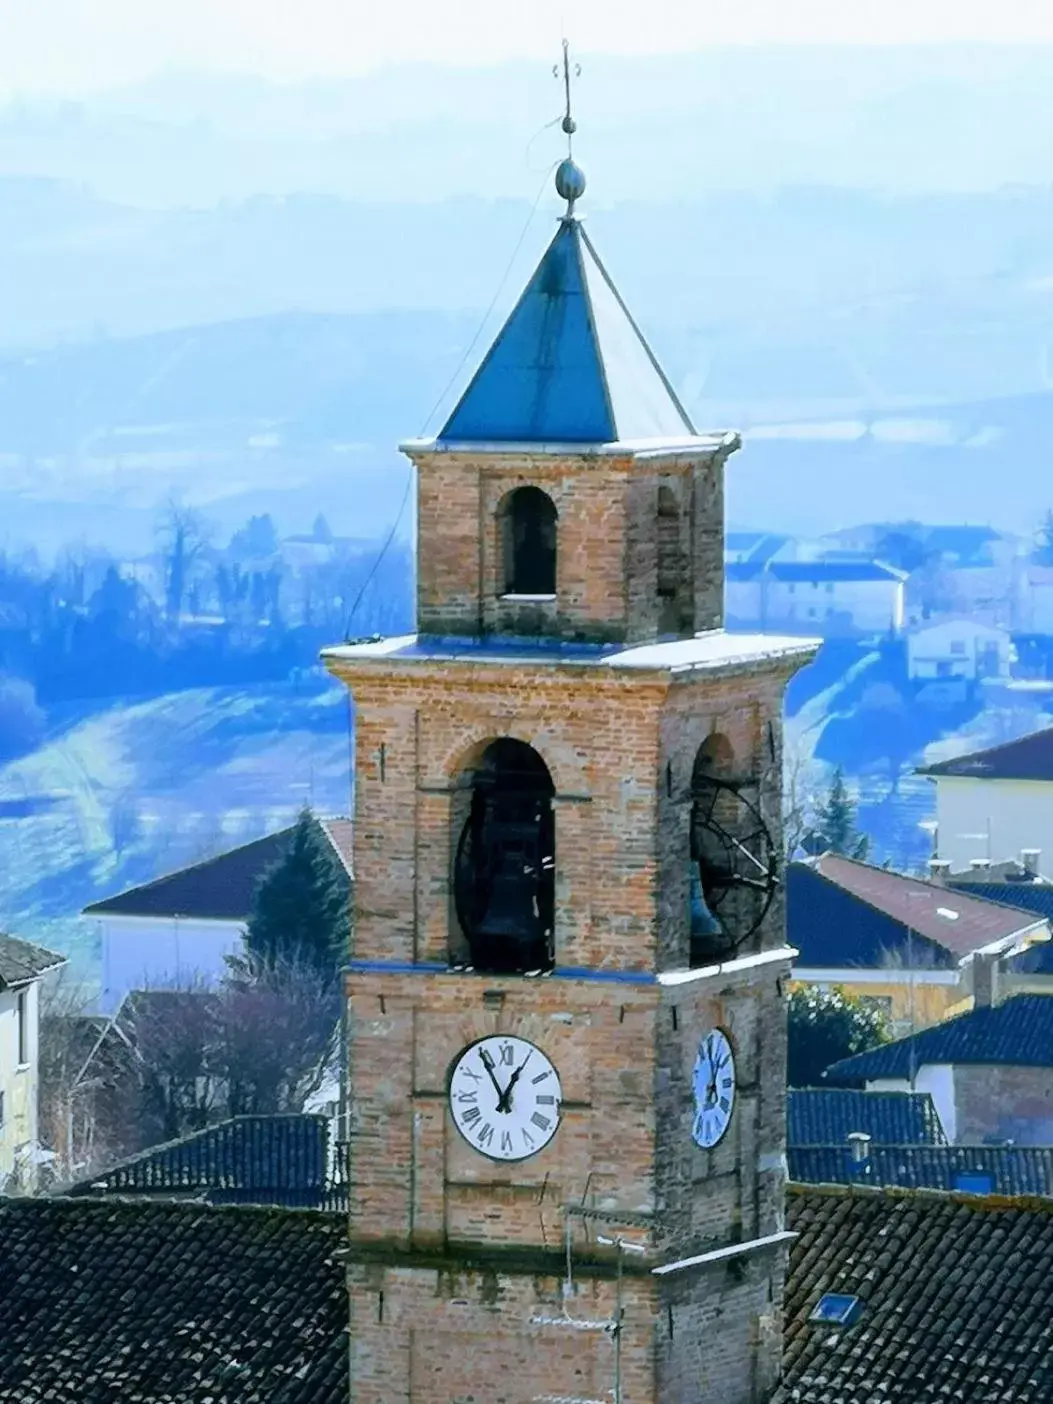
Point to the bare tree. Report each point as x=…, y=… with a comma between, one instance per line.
x=183, y=535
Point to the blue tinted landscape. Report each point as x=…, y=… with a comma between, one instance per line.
x=226, y=301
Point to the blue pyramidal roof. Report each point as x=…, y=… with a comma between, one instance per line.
x=569, y=365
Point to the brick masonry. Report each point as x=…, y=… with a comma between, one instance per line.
x=453, y=1257
x=1004, y=1101
x=615, y=538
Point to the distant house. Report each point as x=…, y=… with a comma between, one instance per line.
x=996, y=801
x=848, y=597
x=179, y=928
x=1036, y=609
x=756, y=546
x=957, y=650
x=827, y=1116
x=917, y=950
x=989, y=1071
x=285, y=1159
x=22, y=967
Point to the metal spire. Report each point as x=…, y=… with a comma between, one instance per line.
x=570, y=178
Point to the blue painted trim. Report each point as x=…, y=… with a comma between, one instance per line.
x=566, y=972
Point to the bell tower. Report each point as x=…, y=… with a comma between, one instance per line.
x=566, y=993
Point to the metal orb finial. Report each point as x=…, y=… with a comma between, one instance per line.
x=570, y=181
x=570, y=178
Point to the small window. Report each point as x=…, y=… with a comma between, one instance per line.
x=23, y=1030
x=1, y=1111
x=957, y=645
x=829, y=587
x=811, y=611
x=836, y=1309
x=792, y=587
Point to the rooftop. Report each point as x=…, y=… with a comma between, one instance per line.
x=220, y=888
x=714, y=649
x=113, y=1299
x=833, y=571
x=1027, y=758
x=1018, y=1032
x=21, y=962
x=824, y=1116
x=978, y=1169
x=843, y=912
x=569, y=366
x=956, y=1295
x=273, y=1159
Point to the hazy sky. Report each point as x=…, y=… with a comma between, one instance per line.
x=80, y=45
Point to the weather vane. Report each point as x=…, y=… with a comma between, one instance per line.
x=570, y=178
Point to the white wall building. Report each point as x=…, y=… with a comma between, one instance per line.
x=996, y=803
x=958, y=649
x=177, y=931
x=817, y=597
x=22, y=966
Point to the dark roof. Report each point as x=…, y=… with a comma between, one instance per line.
x=220, y=888
x=21, y=962
x=821, y=1116
x=169, y=1303
x=569, y=365
x=838, y=926
x=1035, y=897
x=1008, y=870
x=989, y=1169
x=806, y=571
x=956, y=1293
x=1018, y=1032
x=1028, y=758
x=247, y=1160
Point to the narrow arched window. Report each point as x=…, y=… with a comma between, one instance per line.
x=529, y=542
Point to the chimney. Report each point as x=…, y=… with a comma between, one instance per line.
x=979, y=865
x=859, y=1148
x=983, y=979
x=1029, y=861
x=939, y=870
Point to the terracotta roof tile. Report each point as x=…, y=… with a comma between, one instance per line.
x=21, y=961
x=952, y=919
x=824, y=1116
x=115, y=1299
x=956, y=1292
x=1018, y=1032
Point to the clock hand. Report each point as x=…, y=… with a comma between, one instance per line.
x=488, y=1064
x=505, y=1102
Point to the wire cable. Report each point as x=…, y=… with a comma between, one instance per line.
x=445, y=391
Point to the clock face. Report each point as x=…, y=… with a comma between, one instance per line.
x=505, y=1097
x=714, y=1088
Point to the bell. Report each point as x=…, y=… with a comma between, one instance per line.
x=511, y=913
x=703, y=922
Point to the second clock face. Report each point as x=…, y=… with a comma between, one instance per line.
x=505, y=1097
x=714, y=1088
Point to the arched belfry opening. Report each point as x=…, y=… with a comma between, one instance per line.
x=528, y=542
x=505, y=864
x=733, y=868
x=675, y=604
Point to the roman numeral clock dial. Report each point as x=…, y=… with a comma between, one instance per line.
x=505, y=1097
x=713, y=1083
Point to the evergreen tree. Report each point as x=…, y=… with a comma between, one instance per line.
x=301, y=911
x=826, y=1026
x=835, y=828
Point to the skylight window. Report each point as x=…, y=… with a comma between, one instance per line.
x=836, y=1309
x=947, y=913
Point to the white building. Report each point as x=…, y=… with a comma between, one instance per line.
x=22, y=966
x=996, y=803
x=816, y=597
x=960, y=649
x=177, y=931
